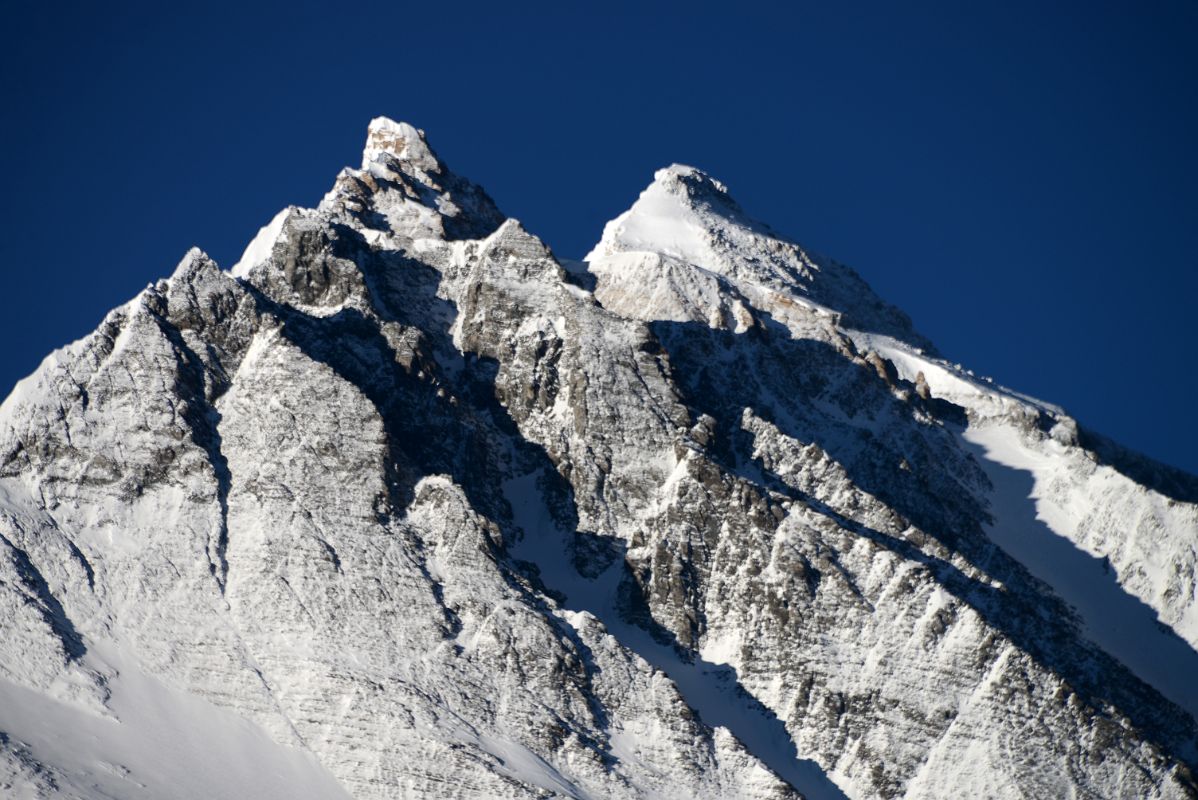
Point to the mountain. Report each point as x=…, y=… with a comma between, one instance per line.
x=402, y=505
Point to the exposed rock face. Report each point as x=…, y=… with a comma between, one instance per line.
x=400, y=506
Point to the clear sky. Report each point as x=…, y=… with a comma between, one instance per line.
x=1020, y=177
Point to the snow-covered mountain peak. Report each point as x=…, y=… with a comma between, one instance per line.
x=691, y=182
x=404, y=191
x=687, y=251
x=401, y=140
x=402, y=507
x=674, y=216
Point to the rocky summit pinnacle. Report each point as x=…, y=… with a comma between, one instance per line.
x=400, y=140
x=402, y=506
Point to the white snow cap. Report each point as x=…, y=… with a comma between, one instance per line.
x=398, y=139
x=680, y=175
x=664, y=218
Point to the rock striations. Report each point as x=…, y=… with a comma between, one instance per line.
x=404, y=506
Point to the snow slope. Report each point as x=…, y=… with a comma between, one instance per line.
x=154, y=742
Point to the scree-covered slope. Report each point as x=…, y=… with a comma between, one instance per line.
x=401, y=505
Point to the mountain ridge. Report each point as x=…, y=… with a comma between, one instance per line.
x=403, y=493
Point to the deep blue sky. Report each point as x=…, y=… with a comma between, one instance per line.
x=1022, y=178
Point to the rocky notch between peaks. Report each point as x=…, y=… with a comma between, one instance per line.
x=404, y=506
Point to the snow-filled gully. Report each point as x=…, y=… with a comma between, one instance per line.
x=1119, y=623
x=710, y=689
